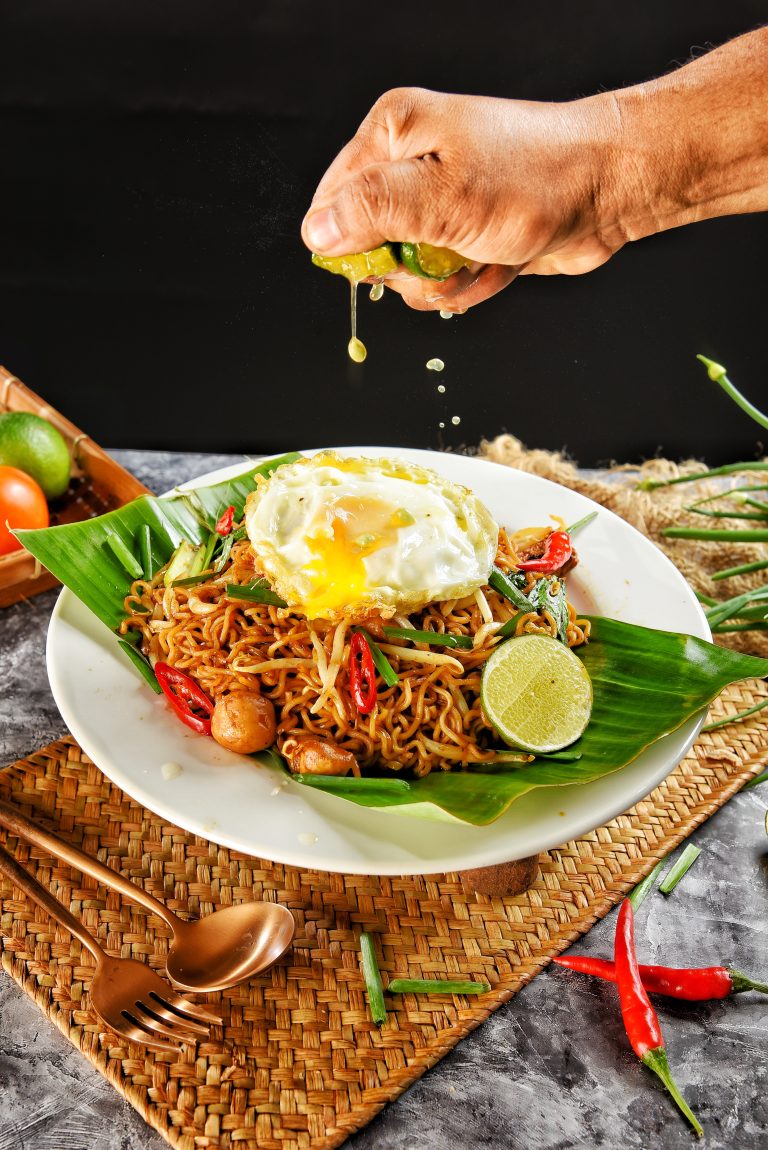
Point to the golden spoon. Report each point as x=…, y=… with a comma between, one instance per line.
x=211, y=953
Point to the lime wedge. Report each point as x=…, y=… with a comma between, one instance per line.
x=536, y=693
x=430, y=262
x=359, y=265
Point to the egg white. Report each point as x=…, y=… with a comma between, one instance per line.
x=345, y=538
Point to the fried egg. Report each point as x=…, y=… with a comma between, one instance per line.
x=347, y=538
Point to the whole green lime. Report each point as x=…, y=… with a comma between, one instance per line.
x=29, y=442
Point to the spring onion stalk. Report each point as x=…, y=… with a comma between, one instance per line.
x=711, y=473
x=707, y=600
x=145, y=551
x=373, y=980
x=758, y=779
x=735, y=628
x=437, y=986
x=737, y=718
x=681, y=867
x=744, y=569
x=210, y=545
x=730, y=608
x=730, y=493
x=124, y=556
x=223, y=555
x=717, y=373
x=191, y=580
x=257, y=592
x=581, y=522
x=641, y=890
x=753, y=515
x=141, y=664
x=435, y=638
x=718, y=534
x=380, y=660
x=510, y=626
x=504, y=585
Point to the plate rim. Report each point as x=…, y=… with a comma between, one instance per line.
x=308, y=858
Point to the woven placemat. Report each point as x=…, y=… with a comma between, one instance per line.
x=298, y=1064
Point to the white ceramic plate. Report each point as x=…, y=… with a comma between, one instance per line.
x=130, y=733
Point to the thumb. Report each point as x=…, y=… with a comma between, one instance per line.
x=389, y=201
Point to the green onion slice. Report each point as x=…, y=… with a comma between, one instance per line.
x=681, y=867
x=256, y=592
x=124, y=556
x=141, y=664
x=504, y=585
x=437, y=986
x=380, y=660
x=373, y=980
x=758, y=779
x=637, y=896
x=191, y=580
x=435, y=638
x=581, y=522
x=737, y=718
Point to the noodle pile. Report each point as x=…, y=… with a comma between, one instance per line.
x=431, y=719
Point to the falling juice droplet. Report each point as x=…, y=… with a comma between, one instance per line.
x=356, y=349
x=445, y=314
x=441, y=388
x=376, y=292
x=435, y=365
x=455, y=420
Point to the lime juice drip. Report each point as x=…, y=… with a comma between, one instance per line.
x=356, y=349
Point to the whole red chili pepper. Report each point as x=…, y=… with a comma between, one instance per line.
x=697, y=984
x=640, y=1021
x=362, y=674
x=186, y=698
x=557, y=552
x=225, y=521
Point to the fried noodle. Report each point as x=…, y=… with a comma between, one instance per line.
x=431, y=719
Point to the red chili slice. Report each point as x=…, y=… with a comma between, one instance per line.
x=557, y=552
x=225, y=521
x=362, y=674
x=185, y=697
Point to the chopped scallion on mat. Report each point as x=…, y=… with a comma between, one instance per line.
x=372, y=980
x=737, y=718
x=681, y=867
x=436, y=986
x=756, y=781
x=641, y=890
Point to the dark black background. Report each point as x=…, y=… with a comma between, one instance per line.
x=156, y=160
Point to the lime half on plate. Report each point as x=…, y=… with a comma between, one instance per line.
x=536, y=693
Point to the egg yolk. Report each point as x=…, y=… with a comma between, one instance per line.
x=336, y=571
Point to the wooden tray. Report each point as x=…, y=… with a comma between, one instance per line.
x=298, y=1063
x=98, y=484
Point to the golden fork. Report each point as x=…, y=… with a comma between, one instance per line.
x=127, y=996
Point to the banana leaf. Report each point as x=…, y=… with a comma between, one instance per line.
x=645, y=684
x=79, y=554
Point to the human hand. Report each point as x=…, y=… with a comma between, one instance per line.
x=517, y=187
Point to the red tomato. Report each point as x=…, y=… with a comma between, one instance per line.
x=22, y=504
